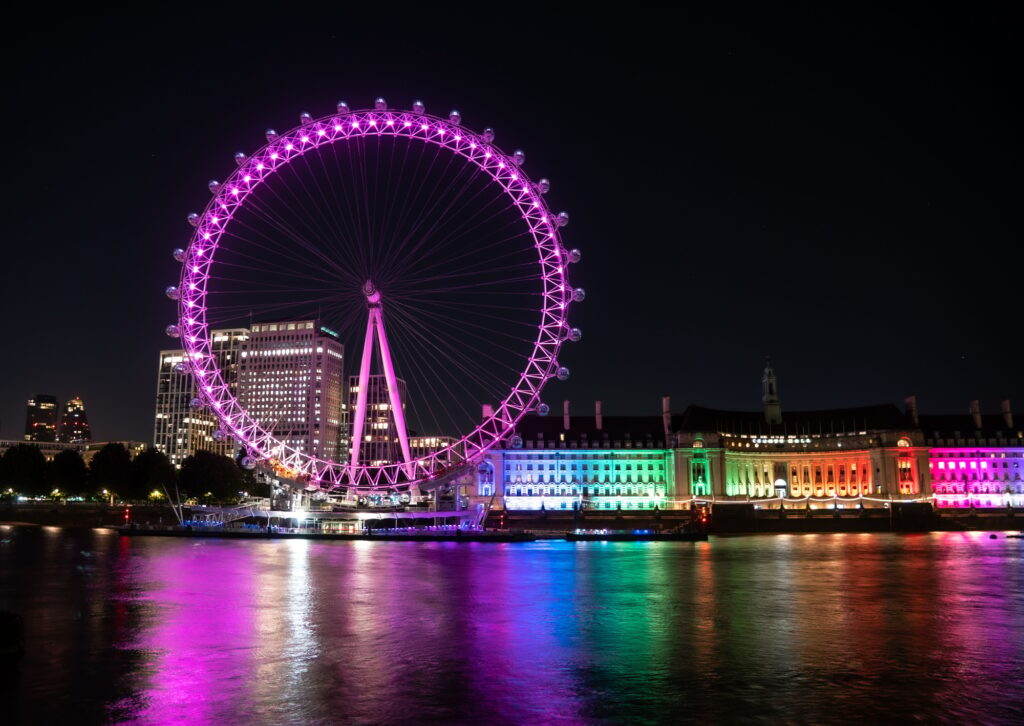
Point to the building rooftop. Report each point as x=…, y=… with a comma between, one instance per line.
x=948, y=426
x=883, y=416
x=615, y=428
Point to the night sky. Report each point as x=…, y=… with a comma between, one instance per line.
x=834, y=188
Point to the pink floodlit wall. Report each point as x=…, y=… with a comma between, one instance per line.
x=971, y=477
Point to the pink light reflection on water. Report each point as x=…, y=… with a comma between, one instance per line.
x=201, y=633
x=811, y=628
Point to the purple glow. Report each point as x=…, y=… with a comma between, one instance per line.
x=375, y=324
x=523, y=194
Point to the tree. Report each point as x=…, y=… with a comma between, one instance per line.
x=211, y=476
x=23, y=468
x=151, y=470
x=111, y=469
x=253, y=485
x=67, y=473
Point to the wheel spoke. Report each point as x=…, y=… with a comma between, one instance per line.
x=458, y=241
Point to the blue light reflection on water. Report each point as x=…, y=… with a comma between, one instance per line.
x=809, y=628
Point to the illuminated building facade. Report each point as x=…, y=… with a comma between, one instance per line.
x=872, y=451
x=41, y=418
x=420, y=446
x=380, y=443
x=845, y=456
x=581, y=462
x=976, y=460
x=290, y=381
x=180, y=430
x=74, y=425
x=842, y=457
x=50, y=449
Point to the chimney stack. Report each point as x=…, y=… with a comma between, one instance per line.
x=976, y=413
x=911, y=403
x=565, y=414
x=597, y=415
x=1007, y=414
x=666, y=415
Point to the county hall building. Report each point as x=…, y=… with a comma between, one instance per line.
x=850, y=457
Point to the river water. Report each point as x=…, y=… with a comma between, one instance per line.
x=772, y=628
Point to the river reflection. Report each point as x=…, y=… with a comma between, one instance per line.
x=791, y=628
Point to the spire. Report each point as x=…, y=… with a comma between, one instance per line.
x=770, y=395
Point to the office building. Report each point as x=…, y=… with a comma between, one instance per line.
x=41, y=418
x=290, y=380
x=179, y=429
x=74, y=424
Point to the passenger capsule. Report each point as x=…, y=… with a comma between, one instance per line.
x=193, y=219
x=579, y=295
x=455, y=117
x=343, y=107
x=248, y=462
x=220, y=435
x=380, y=104
x=173, y=331
x=488, y=135
x=562, y=219
x=178, y=254
x=305, y=118
x=172, y=292
x=516, y=442
x=195, y=403
x=544, y=186
x=271, y=134
x=213, y=185
x=180, y=368
x=543, y=409
x=575, y=335
x=239, y=157
x=562, y=373
x=418, y=107
x=575, y=255
x=519, y=156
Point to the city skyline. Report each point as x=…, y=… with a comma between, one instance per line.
x=514, y=364
x=757, y=243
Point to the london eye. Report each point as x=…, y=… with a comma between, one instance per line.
x=424, y=248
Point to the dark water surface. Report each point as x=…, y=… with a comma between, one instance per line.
x=775, y=628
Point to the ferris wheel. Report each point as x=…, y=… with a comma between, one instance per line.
x=411, y=239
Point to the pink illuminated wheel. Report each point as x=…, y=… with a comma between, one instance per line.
x=417, y=243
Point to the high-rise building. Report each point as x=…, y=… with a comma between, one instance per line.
x=290, y=381
x=41, y=418
x=74, y=425
x=180, y=430
x=380, y=444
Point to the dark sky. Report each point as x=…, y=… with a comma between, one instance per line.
x=834, y=187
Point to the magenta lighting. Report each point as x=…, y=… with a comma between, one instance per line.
x=375, y=324
x=555, y=295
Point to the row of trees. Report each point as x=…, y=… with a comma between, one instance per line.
x=205, y=475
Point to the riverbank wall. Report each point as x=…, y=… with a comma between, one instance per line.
x=743, y=518
x=730, y=518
